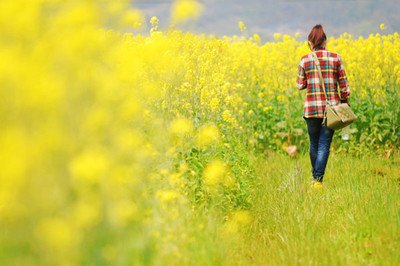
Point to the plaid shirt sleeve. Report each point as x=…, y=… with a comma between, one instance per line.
x=342, y=81
x=301, y=76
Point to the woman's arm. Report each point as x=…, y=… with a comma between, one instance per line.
x=301, y=77
x=343, y=83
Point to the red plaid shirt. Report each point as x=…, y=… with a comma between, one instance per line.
x=333, y=73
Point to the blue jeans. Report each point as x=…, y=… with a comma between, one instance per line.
x=320, y=142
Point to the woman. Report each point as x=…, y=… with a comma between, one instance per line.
x=314, y=106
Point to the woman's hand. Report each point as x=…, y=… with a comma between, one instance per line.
x=345, y=101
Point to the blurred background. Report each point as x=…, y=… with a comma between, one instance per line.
x=266, y=17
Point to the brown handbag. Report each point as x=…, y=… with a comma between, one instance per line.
x=335, y=116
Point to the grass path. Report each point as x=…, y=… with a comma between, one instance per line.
x=354, y=221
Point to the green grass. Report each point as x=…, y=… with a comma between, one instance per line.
x=355, y=220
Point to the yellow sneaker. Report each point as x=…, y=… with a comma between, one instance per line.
x=317, y=185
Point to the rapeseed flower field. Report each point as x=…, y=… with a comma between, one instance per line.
x=172, y=148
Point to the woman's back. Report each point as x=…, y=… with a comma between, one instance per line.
x=333, y=74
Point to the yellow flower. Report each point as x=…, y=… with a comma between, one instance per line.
x=257, y=38
x=181, y=126
x=154, y=25
x=229, y=118
x=280, y=98
x=185, y=9
x=214, y=173
x=242, y=217
x=89, y=166
x=175, y=179
x=277, y=36
x=133, y=18
x=154, y=21
x=382, y=26
x=207, y=135
x=242, y=27
x=214, y=104
x=237, y=220
x=166, y=196
x=267, y=108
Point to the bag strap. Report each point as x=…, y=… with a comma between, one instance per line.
x=321, y=79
